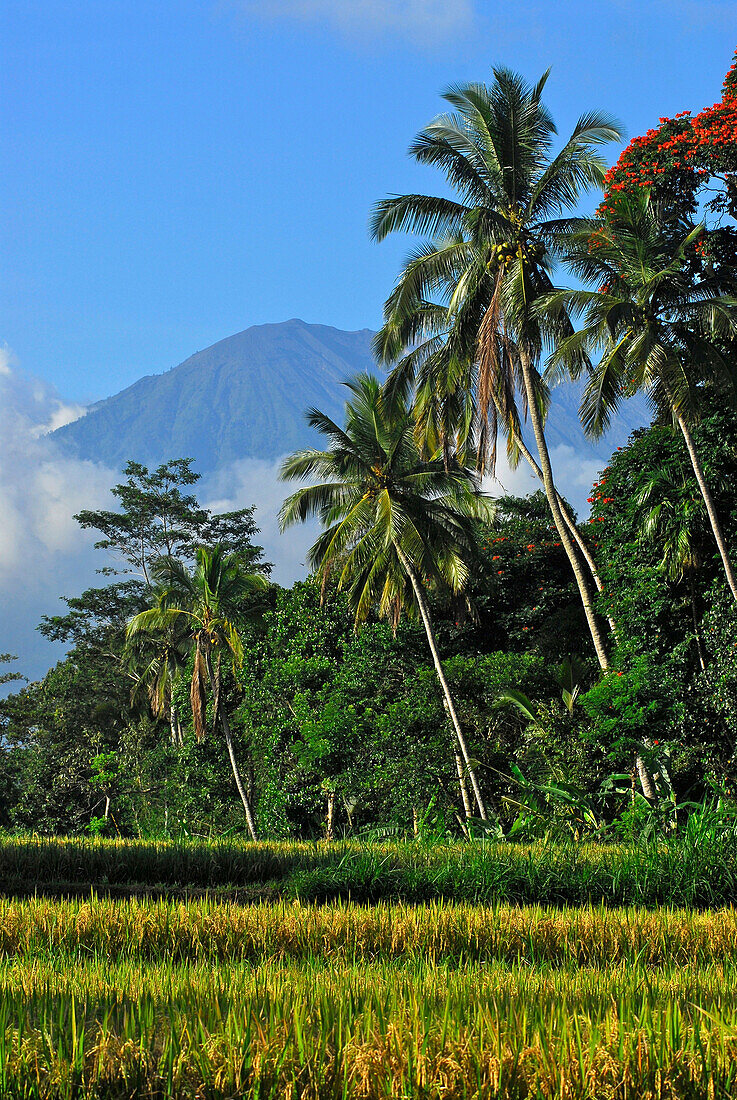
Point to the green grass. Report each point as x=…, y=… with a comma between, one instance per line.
x=146, y=998
x=698, y=870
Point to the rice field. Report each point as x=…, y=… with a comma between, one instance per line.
x=697, y=869
x=175, y=993
x=159, y=998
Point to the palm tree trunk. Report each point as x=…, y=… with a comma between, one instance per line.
x=648, y=787
x=462, y=780
x=524, y=450
x=555, y=509
x=575, y=533
x=427, y=623
x=709, y=502
x=570, y=524
x=225, y=724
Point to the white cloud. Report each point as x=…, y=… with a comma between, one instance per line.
x=252, y=482
x=63, y=414
x=43, y=552
x=5, y=360
x=426, y=22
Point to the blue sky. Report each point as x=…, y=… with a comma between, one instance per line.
x=176, y=170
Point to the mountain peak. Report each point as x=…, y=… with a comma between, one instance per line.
x=243, y=397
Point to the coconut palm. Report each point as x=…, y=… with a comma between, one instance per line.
x=488, y=260
x=394, y=521
x=460, y=421
x=211, y=599
x=660, y=330
x=157, y=663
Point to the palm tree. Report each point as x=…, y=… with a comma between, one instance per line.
x=659, y=329
x=157, y=662
x=488, y=260
x=461, y=420
x=394, y=521
x=211, y=599
x=673, y=519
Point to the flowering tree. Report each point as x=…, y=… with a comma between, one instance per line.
x=689, y=162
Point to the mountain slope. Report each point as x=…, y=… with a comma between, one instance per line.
x=245, y=397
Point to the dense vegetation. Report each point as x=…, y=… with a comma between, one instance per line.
x=344, y=731
x=455, y=666
x=455, y=674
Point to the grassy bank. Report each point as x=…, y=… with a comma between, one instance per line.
x=698, y=870
x=141, y=998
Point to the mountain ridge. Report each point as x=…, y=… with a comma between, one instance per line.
x=245, y=397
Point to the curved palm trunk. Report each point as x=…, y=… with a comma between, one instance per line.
x=467, y=809
x=569, y=522
x=557, y=514
x=709, y=502
x=225, y=724
x=427, y=623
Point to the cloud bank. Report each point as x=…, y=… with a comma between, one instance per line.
x=45, y=555
x=424, y=22
x=43, y=552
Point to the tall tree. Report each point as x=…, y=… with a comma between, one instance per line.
x=393, y=520
x=211, y=599
x=489, y=260
x=660, y=329
x=158, y=518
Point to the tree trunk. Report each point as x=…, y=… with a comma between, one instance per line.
x=555, y=510
x=462, y=780
x=467, y=808
x=709, y=502
x=225, y=724
x=176, y=727
x=425, y=615
x=568, y=518
x=648, y=787
x=329, y=825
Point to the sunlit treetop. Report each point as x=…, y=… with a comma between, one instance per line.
x=689, y=162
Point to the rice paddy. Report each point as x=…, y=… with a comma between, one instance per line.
x=695, y=868
x=205, y=997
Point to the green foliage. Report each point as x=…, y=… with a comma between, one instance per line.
x=626, y=708
x=655, y=608
x=523, y=593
